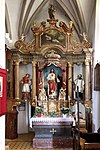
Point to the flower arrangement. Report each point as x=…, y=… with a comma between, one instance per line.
x=38, y=111
x=65, y=110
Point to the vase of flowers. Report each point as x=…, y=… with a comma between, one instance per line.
x=38, y=111
x=65, y=111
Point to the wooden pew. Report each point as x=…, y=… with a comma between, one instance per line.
x=88, y=141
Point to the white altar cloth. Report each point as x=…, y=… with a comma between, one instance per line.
x=51, y=119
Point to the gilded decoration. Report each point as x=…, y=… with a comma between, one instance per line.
x=50, y=57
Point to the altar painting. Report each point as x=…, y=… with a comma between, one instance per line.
x=53, y=37
x=52, y=80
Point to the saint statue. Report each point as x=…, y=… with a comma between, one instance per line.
x=79, y=87
x=26, y=86
x=51, y=12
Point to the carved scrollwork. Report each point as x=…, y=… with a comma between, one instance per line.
x=52, y=54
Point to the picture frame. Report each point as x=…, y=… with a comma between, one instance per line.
x=97, y=77
x=1, y=86
x=3, y=73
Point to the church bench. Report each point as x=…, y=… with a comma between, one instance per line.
x=88, y=141
x=91, y=141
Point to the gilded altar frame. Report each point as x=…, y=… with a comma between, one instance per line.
x=53, y=45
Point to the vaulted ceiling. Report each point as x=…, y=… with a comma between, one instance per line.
x=20, y=14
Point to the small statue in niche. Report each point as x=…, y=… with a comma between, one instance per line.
x=79, y=87
x=42, y=94
x=26, y=89
x=62, y=94
x=51, y=11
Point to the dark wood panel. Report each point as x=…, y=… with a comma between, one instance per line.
x=11, y=125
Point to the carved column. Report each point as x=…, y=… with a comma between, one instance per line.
x=87, y=87
x=33, y=79
x=70, y=74
x=17, y=80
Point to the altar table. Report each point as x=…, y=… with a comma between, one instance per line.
x=52, y=132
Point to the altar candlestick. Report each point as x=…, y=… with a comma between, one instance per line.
x=41, y=98
x=76, y=111
x=69, y=100
x=36, y=100
x=46, y=98
x=64, y=98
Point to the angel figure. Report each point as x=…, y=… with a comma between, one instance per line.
x=84, y=35
x=22, y=37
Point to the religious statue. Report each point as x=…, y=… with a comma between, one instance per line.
x=84, y=35
x=52, y=84
x=62, y=94
x=42, y=94
x=51, y=11
x=79, y=87
x=26, y=89
x=22, y=37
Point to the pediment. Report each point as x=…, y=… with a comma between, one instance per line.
x=52, y=33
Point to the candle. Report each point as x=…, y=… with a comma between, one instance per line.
x=36, y=98
x=41, y=98
x=76, y=110
x=46, y=98
x=69, y=100
x=64, y=98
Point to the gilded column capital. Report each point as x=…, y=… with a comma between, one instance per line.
x=87, y=62
x=17, y=63
x=34, y=63
x=70, y=64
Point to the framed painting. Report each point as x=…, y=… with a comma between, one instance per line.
x=2, y=91
x=1, y=86
x=97, y=77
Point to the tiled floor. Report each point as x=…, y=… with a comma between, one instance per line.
x=24, y=142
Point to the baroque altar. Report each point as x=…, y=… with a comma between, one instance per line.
x=48, y=65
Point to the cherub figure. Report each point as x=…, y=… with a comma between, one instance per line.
x=84, y=35
x=22, y=37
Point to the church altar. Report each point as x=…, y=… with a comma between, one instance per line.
x=52, y=132
x=35, y=120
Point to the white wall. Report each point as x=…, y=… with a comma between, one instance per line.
x=2, y=64
x=96, y=94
